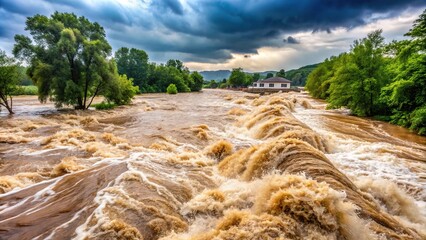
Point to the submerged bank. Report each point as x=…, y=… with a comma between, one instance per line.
x=216, y=164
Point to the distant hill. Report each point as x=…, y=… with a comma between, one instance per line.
x=263, y=74
x=297, y=76
x=215, y=75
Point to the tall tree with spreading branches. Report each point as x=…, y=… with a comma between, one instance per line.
x=67, y=58
x=9, y=78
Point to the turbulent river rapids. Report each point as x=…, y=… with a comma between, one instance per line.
x=211, y=165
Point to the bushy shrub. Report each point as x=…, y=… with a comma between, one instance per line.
x=418, y=120
x=104, y=105
x=383, y=118
x=223, y=85
x=121, y=90
x=172, y=89
x=26, y=90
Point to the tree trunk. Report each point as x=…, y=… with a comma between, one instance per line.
x=86, y=87
x=5, y=103
x=74, y=78
x=9, y=109
x=94, y=94
x=80, y=105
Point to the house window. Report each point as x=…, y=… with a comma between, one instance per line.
x=284, y=85
x=271, y=85
x=255, y=84
x=262, y=85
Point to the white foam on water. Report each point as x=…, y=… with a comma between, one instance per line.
x=357, y=158
x=40, y=152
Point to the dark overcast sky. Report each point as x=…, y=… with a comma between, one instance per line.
x=214, y=34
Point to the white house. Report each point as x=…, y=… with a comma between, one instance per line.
x=275, y=83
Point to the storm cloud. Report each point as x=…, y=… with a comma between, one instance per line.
x=291, y=40
x=206, y=30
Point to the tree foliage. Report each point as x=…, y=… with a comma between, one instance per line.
x=9, y=78
x=212, y=84
x=269, y=75
x=175, y=63
x=237, y=78
x=151, y=77
x=418, y=32
x=172, y=89
x=280, y=73
x=374, y=79
x=256, y=77
x=67, y=57
x=319, y=79
x=196, y=83
x=121, y=91
x=362, y=71
x=162, y=76
x=299, y=76
x=134, y=64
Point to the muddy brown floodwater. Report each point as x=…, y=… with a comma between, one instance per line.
x=210, y=165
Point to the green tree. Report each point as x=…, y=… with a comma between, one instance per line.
x=197, y=81
x=163, y=76
x=67, y=57
x=237, y=78
x=357, y=82
x=212, y=84
x=9, y=78
x=176, y=64
x=341, y=85
x=269, y=75
x=172, y=89
x=24, y=80
x=299, y=76
x=418, y=32
x=152, y=79
x=256, y=77
x=320, y=78
x=373, y=79
x=249, y=80
x=121, y=91
x=406, y=95
x=408, y=90
x=134, y=63
x=280, y=73
x=181, y=78
x=297, y=79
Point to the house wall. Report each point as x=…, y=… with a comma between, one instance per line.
x=276, y=86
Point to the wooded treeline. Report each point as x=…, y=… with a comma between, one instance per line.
x=69, y=60
x=374, y=79
x=152, y=77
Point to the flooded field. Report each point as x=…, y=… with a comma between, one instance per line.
x=210, y=165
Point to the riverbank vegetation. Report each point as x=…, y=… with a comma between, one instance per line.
x=68, y=61
x=25, y=90
x=172, y=89
x=8, y=80
x=152, y=77
x=374, y=79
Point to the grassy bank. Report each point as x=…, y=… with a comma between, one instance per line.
x=25, y=90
